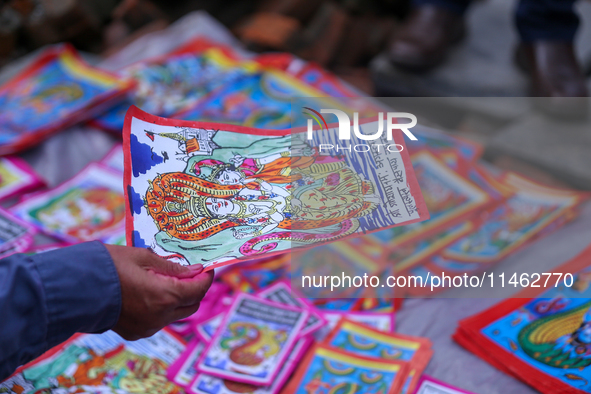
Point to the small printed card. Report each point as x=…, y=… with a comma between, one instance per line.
x=254, y=339
x=523, y=216
x=428, y=385
x=380, y=321
x=205, y=384
x=330, y=370
x=175, y=81
x=88, y=207
x=359, y=339
x=184, y=369
x=280, y=293
x=16, y=177
x=217, y=194
x=15, y=234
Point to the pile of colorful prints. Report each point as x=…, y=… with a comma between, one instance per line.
x=101, y=364
x=254, y=343
x=530, y=211
x=262, y=343
x=542, y=336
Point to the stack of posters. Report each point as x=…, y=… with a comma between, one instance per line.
x=264, y=343
x=542, y=336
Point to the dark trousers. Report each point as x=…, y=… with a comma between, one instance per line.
x=536, y=20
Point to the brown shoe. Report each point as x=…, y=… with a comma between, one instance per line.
x=425, y=38
x=556, y=77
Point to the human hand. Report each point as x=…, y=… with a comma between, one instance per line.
x=155, y=292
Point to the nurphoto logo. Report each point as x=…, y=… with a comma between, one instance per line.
x=344, y=132
x=345, y=124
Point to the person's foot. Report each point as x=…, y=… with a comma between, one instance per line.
x=554, y=69
x=425, y=38
x=556, y=77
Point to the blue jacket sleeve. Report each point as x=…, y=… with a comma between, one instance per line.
x=47, y=297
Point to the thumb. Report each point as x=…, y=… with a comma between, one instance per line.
x=164, y=267
x=190, y=291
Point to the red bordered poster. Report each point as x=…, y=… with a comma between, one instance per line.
x=217, y=194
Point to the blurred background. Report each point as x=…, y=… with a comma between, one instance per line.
x=349, y=37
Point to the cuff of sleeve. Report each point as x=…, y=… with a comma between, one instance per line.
x=82, y=290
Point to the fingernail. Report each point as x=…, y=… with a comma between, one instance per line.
x=196, y=267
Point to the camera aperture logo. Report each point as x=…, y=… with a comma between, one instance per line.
x=344, y=130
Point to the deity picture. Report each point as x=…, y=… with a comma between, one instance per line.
x=214, y=193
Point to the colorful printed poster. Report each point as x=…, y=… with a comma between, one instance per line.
x=365, y=341
x=56, y=91
x=281, y=293
x=440, y=141
x=428, y=385
x=217, y=194
x=89, y=206
x=170, y=83
x=325, y=83
x=327, y=370
x=450, y=199
x=410, y=255
x=101, y=364
x=262, y=100
x=309, y=73
x=257, y=274
x=205, y=384
x=543, y=341
x=335, y=259
x=526, y=214
x=17, y=177
x=184, y=369
x=253, y=341
x=381, y=321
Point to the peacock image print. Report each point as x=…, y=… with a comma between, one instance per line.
x=561, y=340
